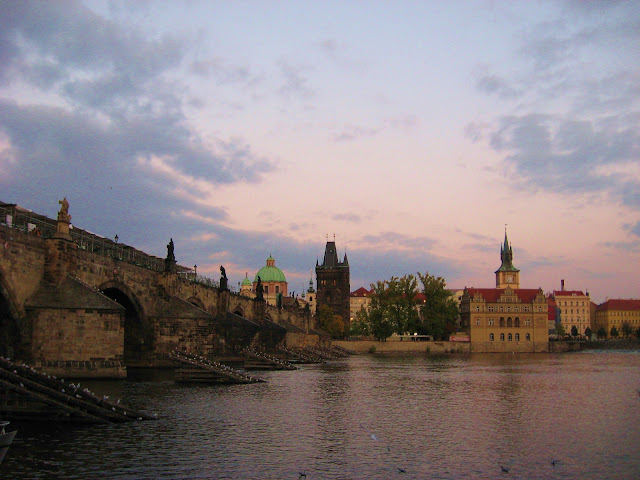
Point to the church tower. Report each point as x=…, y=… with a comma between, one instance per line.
x=332, y=282
x=507, y=275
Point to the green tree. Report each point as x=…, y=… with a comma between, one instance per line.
x=602, y=333
x=440, y=310
x=360, y=325
x=392, y=309
x=588, y=333
x=614, y=332
x=626, y=329
x=574, y=331
x=330, y=322
x=399, y=300
x=560, y=331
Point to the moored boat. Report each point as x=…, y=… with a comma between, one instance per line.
x=5, y=439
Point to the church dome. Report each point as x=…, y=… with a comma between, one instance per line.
x=246, y=282
x=270, y=273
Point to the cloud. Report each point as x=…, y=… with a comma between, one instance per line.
x=393, y=240
x=566, y=155
x=296, y=84
x=347, y=217
x=493, y=84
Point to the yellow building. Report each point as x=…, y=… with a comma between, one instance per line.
x=573, y=309
x=358, y=300
x=505, y=318
x=616, y=313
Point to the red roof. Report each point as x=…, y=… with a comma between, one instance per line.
x=361, y=292
x=491, y=295
x=567, y=293
x=620, y=304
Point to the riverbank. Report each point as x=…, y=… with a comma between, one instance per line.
x=372, y=346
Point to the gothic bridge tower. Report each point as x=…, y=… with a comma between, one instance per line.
x=332, y=282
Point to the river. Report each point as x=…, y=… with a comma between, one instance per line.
x=367, y=417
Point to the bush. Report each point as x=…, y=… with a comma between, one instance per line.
x=372, y=349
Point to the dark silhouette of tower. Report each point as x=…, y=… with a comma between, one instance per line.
x=332, y=282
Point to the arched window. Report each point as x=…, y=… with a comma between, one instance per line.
x=509, y=322
x=528, y=337
x=502, y=322
x=491, y=337
x=477, y=321
x=510, y=337
x=502, y=337
x=517, y=337
x=516, y=322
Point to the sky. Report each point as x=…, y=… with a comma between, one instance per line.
x=413, y=131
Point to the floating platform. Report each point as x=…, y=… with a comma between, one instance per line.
x=28, y=394
x=263, y=361
x=197, y=369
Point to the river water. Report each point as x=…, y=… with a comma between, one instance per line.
x=366, y=417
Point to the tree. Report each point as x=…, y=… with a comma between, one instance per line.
x=602, y=333
x=440, y=311
x=588, y=333
x=614, y=332
x=360, y=325
x=638, y=332
x=330, y=322
x=560, y=331
x=574, y=331
x=626, y=329
x=393, y=309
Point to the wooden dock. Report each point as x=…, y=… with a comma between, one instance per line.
x=197, y=369
x=28, y=394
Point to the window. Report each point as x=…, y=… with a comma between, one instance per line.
x=501, y=308
x=277, y=288
x=517, y=337
x=510, y=338
x=502, y=321
x=528, y=337
x=508, y=309
x=266, y=289
x=509, y=323
x=527, y=321
x=515, y=309
x=516, y=322
x=502, y=337
x=491, y=337
x=491, y=308
x=491, y=321
x=477, y=321
x=477, y=308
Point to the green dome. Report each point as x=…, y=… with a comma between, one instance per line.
x=270, y=273
x=246, y=281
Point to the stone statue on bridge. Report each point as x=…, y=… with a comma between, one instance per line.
x=259, y=290
x=63, y=214
x=224, y=281
x=170, y=261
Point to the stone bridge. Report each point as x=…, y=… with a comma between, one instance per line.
x=81, y=305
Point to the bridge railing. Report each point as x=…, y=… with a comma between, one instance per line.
x=44, y=227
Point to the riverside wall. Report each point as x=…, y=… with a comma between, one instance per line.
x=372, y=346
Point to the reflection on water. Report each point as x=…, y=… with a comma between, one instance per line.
x=364, y=418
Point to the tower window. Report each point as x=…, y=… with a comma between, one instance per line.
x=491, y=337
x=502, y=337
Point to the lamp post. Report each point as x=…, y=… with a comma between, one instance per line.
x=195, y=272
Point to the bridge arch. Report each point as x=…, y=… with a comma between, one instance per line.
x=11, y=336
x=138, y=334
x=195, y=301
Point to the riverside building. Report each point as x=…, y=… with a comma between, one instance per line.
x=505, y=318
